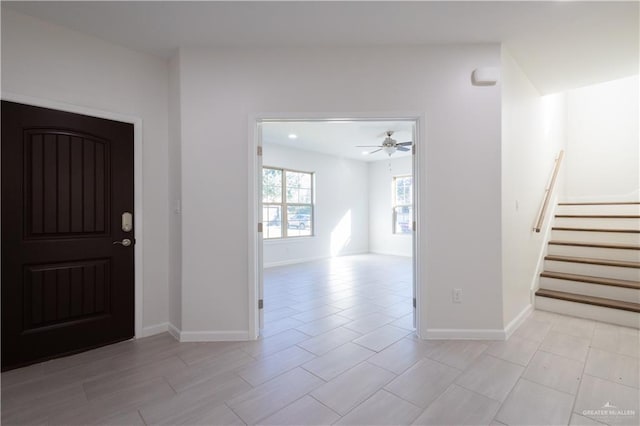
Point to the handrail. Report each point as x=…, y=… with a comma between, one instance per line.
x=548, y=191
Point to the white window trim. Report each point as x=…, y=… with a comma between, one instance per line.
x=395, y=205
x=284, y=205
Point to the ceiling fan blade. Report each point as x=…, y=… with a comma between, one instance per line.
x=402, y=148
x=368, y=146
x=373, y=152
x=405, y=143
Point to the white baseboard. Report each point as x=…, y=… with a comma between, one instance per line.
x=173, y=331
x=213, y=336
x=464, y=334
x=154, y=329
x=517, y=321
x=479, y=334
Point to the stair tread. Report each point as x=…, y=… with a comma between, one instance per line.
x=597, y=245
x=593, y=280
x=590, y=300
x=600, y=203
x=604, y=262
x=563, y=228
x=600, y=216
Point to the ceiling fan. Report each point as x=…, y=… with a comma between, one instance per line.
x=389, y=146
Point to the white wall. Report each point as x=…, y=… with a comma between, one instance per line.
x=49, y=62
x=381, y=237
x=175, y=195
x=533, y=133
x=221, y=88
x=341, y=207
x=603, y=142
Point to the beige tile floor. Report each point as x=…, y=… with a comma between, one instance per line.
x=338, y=347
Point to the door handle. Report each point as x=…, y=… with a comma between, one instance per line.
x=125, y=242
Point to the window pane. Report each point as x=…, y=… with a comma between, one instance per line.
x=271, y=221
x=403, y=191
x=298, y=187
x=299, y=221
x=271, y=185
x=403, y=219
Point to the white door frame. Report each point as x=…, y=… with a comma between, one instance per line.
x=254, y=216
x=137, y=181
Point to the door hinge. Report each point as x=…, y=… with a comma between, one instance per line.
x=413, y=149
x=414, y=226
x=414, y=302
x=260, y=227
x=260, y=304
x=259, y=151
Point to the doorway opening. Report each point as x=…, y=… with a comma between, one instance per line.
x=337, y=206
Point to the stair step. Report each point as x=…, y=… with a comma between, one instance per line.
x=562, y=228
x=595, y=236
x=616, y=269
x=599, y=209
x=599, y=203
x=593, y=280
x=616, y=223
x=600, y=216
x=628, y=252
x=625, y=294
x=603, y=262
x=592, y=269
x=597, y=245
x=593, y=312
x=590, y=300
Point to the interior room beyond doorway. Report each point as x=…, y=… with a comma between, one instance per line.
x=338, y=231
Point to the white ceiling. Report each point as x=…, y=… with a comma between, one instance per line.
x=560, y=45
x=338, y=138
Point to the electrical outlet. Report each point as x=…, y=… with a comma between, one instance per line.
x=457, y=295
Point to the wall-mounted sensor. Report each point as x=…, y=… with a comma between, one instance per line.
x=487, y=76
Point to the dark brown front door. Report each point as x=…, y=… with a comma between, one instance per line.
x=67, y=179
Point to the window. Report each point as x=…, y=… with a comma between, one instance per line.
x=402, y=204
x=287, y=203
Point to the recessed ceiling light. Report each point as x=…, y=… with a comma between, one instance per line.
x=365, y=152
x=293, y=136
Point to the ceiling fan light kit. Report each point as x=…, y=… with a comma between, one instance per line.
x=389, y=146
x=389, y=150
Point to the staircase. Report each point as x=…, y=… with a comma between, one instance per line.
x=592, y=269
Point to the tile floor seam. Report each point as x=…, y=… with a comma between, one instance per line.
x=609, y=381
x=548, y=387
x=314, y=375
x=529, y=379
x=141, y=417
x=386, y=390
x=473, y=391
x=562, y=356
x=404, y=399
x=582, y=374
x=235, y=413
x=501, y=402
x=323, y=404
x=506, y=360
x=169, y=383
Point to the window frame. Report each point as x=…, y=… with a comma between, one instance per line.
x=283, y=204
x=395, y=205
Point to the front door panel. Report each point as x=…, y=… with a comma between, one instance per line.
x=66, y=181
